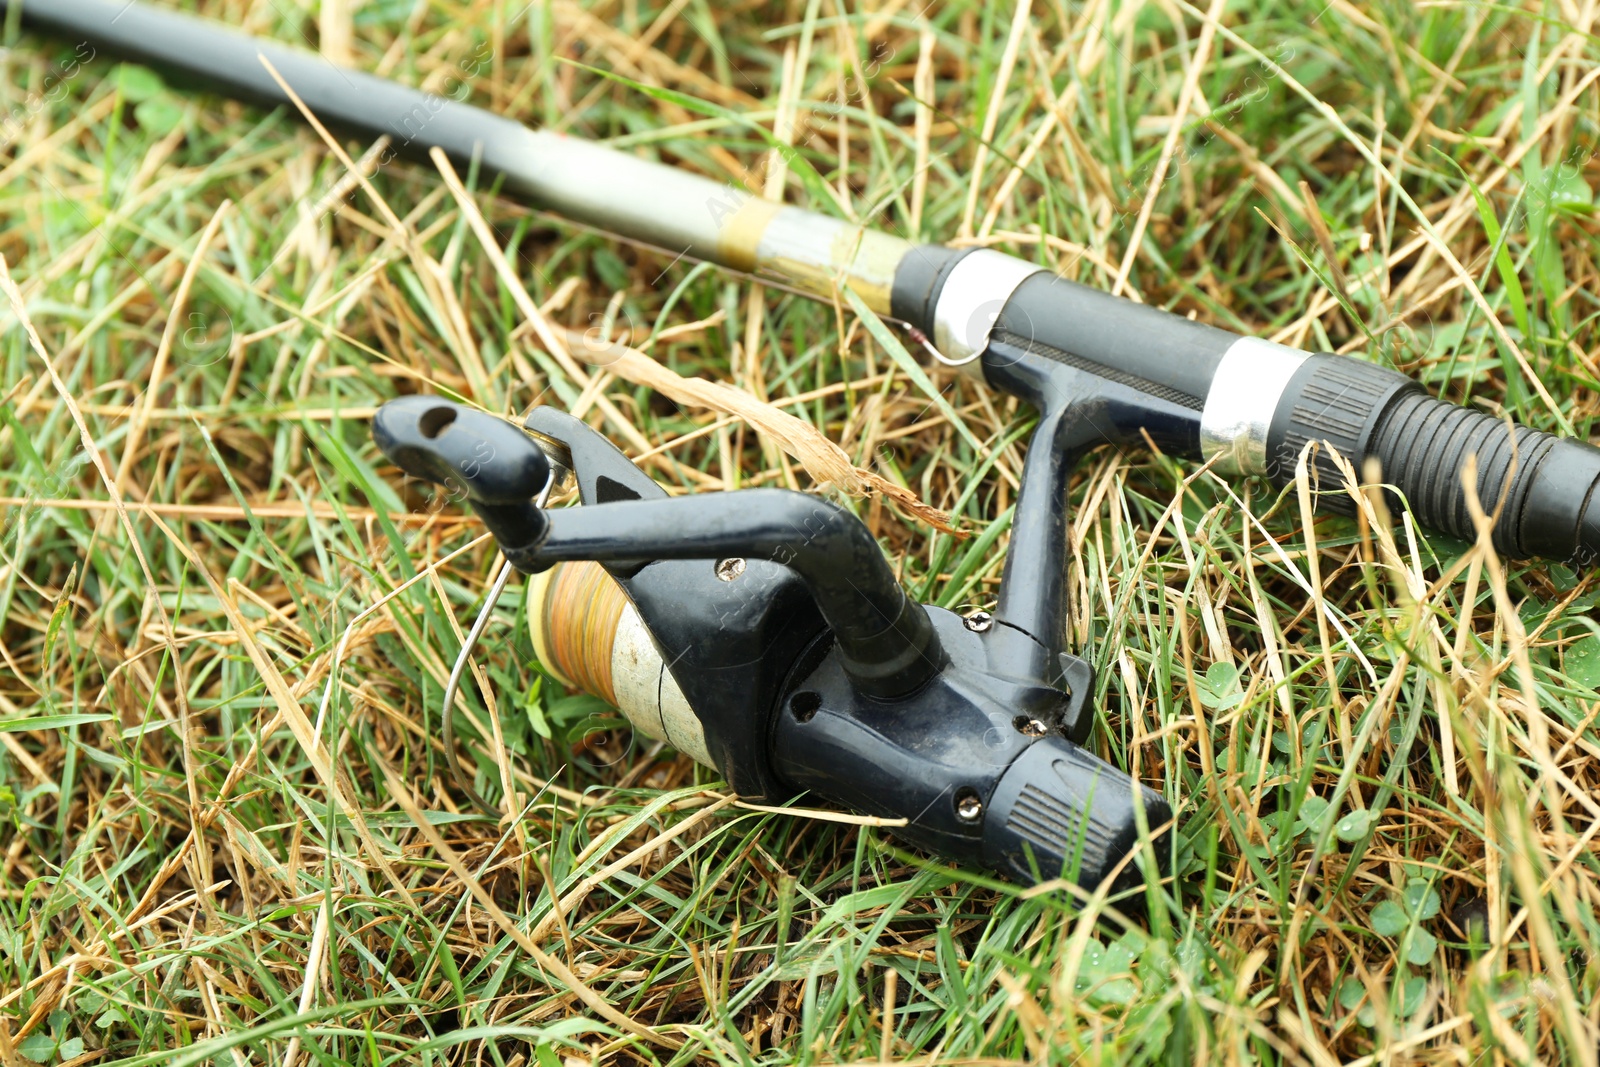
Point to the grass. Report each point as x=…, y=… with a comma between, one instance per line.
x=1380, y=745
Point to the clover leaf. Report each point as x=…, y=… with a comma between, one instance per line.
x=1219, y=689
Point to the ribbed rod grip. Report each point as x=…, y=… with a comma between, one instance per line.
x=1543, y=486
x=1548, y=484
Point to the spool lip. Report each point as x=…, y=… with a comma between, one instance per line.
x=538, y=593
x=574, y=615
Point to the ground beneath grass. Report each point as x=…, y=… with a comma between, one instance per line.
x=228, y=836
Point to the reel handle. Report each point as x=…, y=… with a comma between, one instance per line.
x=498, y=467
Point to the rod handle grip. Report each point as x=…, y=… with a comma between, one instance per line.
x=1549, y=484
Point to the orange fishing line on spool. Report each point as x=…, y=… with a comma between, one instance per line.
x=575, y=609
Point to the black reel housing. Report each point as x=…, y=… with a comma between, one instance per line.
x=810, y=670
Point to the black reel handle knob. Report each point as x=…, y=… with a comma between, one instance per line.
x=499, y=468
x=480, y=454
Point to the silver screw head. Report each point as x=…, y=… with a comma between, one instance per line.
x=979, y=621
x=969, y=806
x=729, y=569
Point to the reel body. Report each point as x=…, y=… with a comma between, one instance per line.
x=762, y=632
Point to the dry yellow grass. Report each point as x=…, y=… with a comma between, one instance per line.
x=1381, y=744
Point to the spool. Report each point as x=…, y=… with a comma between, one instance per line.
x=589, y=635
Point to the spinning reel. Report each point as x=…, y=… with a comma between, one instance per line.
x=763, y=633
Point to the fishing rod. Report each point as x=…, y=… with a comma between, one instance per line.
x=762, y=631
